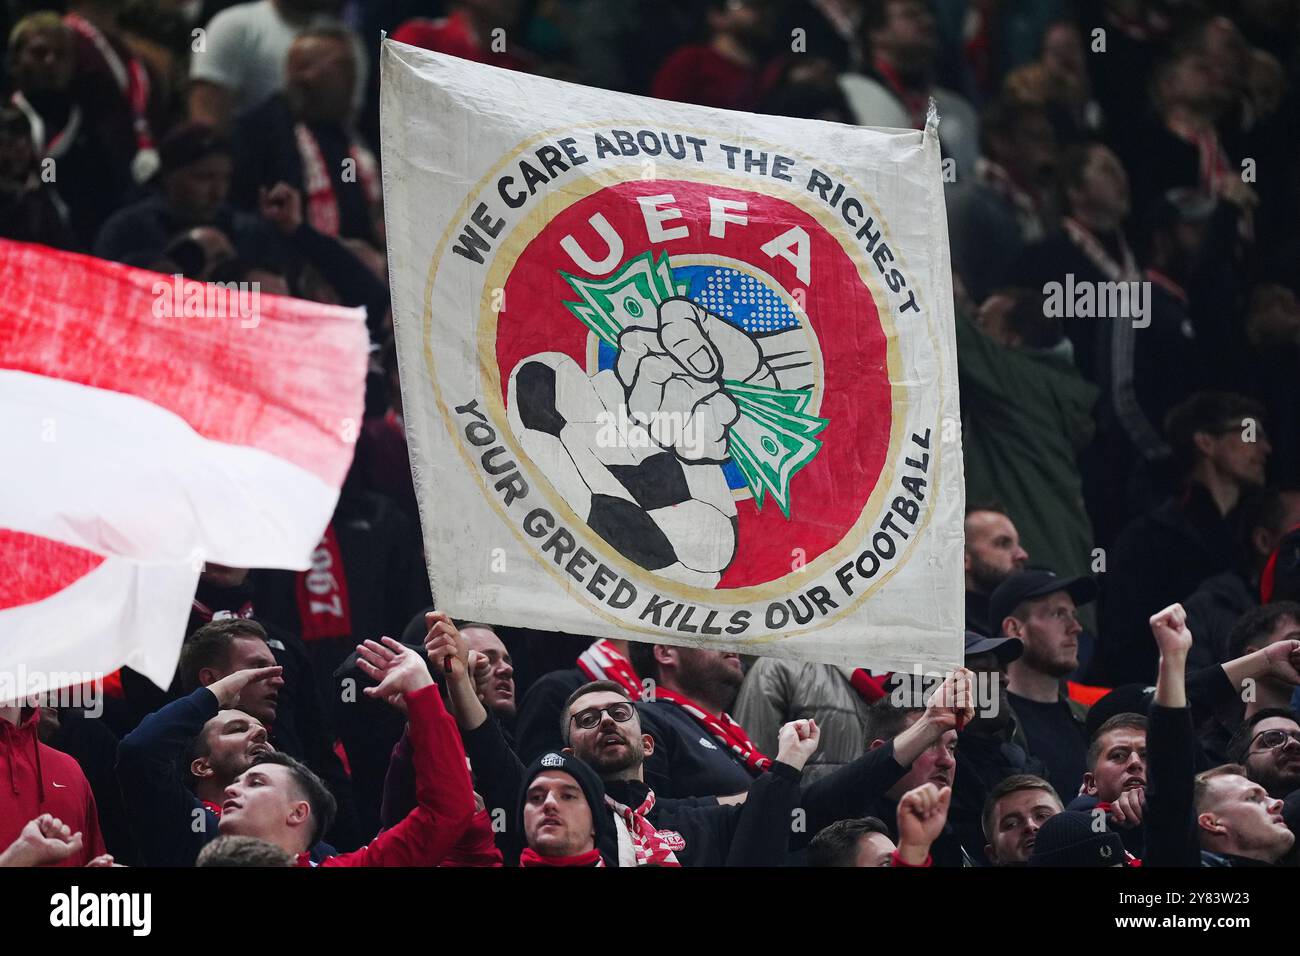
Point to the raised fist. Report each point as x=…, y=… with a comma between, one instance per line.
x=797, y=741
x=1169, y=627
x=922, y=814
x=673, y=373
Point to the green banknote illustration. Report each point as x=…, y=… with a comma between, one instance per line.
x=771, y=440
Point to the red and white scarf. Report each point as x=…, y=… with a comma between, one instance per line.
x=723, y=729
x=531, y=857
x=652, y=847
x=1214, y=167
x=1213, y=161
x=1088, y=244
x=602, y=661
x=322, y=203
x=205, y=613
x=58, y=142
x=322, y=592
x=133, y=81
x=1028, y=216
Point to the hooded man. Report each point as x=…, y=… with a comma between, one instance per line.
x=43, y=781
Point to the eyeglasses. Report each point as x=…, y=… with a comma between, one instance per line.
x=620, y=713
x=1272, y=739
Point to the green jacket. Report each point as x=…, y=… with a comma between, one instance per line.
x=1026, y=414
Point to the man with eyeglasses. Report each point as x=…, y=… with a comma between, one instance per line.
x=1267, y=744
x=1039, y=608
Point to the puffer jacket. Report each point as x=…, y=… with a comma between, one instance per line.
x=778, y=691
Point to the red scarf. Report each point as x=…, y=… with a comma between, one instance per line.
x=723, y=729
x=602, y=661
x=1169, y=285
x=323, y=605
x=915, y=103
x=322, y=204
x=653, y=847
x=133, y=82
x=869, y=687
x=531, y=857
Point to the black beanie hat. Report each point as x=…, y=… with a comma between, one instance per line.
x=592, y=788
x=1068, y=839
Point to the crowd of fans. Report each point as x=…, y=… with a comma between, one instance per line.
x=1132, y=546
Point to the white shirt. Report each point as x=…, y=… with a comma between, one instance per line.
x=244, y=49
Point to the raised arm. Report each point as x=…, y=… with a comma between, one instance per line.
x=922, y=813
x=1171, y=838
x=497, y=768
x=765, y=822
x=444, y=797
x=169, y=823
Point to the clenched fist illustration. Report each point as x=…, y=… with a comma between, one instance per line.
x=672, y=370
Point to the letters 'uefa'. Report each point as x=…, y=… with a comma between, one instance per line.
x=687, y=371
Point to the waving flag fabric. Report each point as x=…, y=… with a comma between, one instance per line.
x=152, y=424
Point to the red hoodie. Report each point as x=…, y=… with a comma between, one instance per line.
x=444, y=797
x=36, y=779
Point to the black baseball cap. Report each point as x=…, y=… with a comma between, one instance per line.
x=1007, y=648
x=1035, y=583
x=1124, y=699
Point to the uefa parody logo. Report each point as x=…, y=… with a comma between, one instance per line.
x=684, y=380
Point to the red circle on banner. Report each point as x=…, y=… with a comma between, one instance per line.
x=827, y=496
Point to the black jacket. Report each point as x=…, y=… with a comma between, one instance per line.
x=983, y=761
x=697, y=765
x=1160, y=558
x=1212, y=611
x=266, y=153
x=537, y=725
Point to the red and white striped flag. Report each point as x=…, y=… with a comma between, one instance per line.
x=151, y=424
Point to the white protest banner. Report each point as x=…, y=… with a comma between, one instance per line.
x=675, y=374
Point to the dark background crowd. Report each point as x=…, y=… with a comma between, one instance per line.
x=1115, y=465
